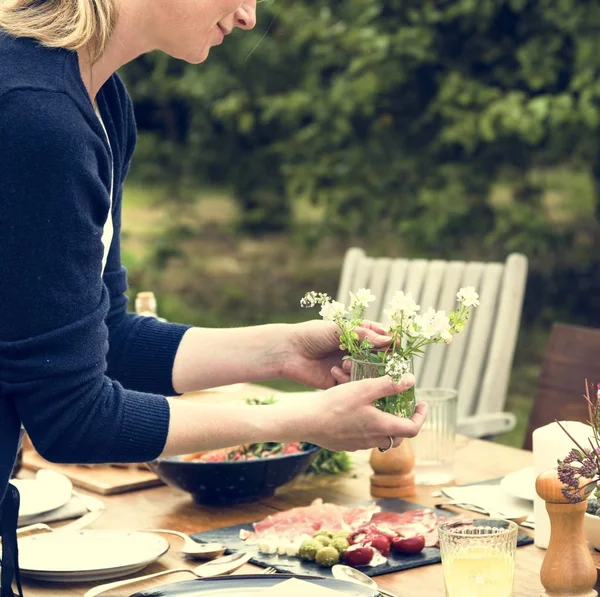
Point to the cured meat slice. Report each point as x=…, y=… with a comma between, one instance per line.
x=356, y=517
x=407, y=524
x=310, y=519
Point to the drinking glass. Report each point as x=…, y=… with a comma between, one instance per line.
x=434, y=446
x=478, y=557
x=402, y=405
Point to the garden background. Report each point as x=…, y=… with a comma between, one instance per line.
x=439, y=128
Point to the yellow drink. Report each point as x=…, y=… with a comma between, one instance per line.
x=479, y=571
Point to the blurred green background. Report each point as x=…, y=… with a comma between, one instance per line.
x=450, y=128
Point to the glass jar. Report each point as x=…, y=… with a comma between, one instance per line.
x=402, y=404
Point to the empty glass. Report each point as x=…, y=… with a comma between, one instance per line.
x=434, y=446
x=478, y=557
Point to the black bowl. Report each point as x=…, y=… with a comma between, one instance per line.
x=235, y=482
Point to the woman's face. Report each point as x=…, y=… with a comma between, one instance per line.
x=188, y=29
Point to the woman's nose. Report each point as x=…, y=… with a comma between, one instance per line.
x=245, y=17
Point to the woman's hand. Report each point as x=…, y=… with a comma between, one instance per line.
x=344, y=417
x=341, y=418
x=313, y=355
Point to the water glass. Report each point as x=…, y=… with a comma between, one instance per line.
x=434, y=446
x=478, y=557
x=401, y=405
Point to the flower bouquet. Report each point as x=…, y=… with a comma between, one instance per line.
x=410, y=333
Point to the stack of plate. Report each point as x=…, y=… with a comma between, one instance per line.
x=91, y=555
x=49, y=491
x=520, y=484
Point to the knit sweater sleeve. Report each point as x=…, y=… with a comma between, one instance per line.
x=53, y=302
x=141, y=349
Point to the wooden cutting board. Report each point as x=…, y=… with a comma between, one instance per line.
x=102, y=479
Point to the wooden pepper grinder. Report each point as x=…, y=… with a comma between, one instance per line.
x=393, y=472
x=568, y=569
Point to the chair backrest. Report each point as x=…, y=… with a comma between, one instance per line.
x=572, y=356
x=479, y=360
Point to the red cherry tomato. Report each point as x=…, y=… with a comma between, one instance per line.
x=359, y=556
x=380, y=543
x=408, y=545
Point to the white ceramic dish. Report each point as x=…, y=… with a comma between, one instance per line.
x=520, y=484
x=591, y=528
x=90, y=555
x=41, y=495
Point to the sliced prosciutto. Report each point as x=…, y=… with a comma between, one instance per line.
x=409, y=524
x=307, y=520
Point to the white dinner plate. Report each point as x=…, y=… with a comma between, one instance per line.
x=43, y=494
x=273, y=585
x=520, y=484
x=88, y=555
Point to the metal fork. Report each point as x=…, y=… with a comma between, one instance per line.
x=269, y=570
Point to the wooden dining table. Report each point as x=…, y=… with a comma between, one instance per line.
x=168, y=508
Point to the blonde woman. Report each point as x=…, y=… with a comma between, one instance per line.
x=86, y=379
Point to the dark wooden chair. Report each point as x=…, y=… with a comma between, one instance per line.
x=572, y=356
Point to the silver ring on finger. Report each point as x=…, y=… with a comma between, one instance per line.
x=384, y=450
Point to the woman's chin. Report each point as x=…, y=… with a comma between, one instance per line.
x=192, y=55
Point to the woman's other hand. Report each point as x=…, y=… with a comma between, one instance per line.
x=313, y=356
x=344, y=417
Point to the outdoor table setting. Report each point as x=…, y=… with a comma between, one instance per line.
x=469, y=476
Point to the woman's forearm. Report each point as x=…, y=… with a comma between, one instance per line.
x=195, y=427
x=213, y=357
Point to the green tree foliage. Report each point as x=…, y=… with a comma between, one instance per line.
x=396, y=114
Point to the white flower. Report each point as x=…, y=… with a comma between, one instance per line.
x=468, y=296
x=396, y=367
x=431, y=324
x=398, y=318
x=332, y=310
x=447, y=336
x=362, y=298
x=310, y=299
x=402, y=303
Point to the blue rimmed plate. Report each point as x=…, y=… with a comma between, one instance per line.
x=250, y=585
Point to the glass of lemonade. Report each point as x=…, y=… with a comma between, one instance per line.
x=478, y=557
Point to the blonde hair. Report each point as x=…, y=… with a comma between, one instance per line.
x=69, y=24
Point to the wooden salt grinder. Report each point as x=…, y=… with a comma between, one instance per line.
x=393, y=472
x=568, y=569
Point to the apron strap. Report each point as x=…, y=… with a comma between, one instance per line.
x=10, y=549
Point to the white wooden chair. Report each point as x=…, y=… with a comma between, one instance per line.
x=479, y=360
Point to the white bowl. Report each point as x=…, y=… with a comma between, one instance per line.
x=591, y=528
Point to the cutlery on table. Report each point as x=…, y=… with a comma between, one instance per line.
x=218, y=567
x=38, y=526
x=349, y=574
x=95, y=510
x=193, y=549
x=485, y=511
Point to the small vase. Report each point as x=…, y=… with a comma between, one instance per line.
x=402, y=405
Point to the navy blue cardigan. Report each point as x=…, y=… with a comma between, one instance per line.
x=87, y=379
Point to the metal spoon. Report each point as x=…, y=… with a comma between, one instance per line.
x=217, y=567
x=192, y=549
x=350, y=574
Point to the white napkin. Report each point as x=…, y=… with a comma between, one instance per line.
x=491, y=500
x=295, y=587
x=74, y=508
